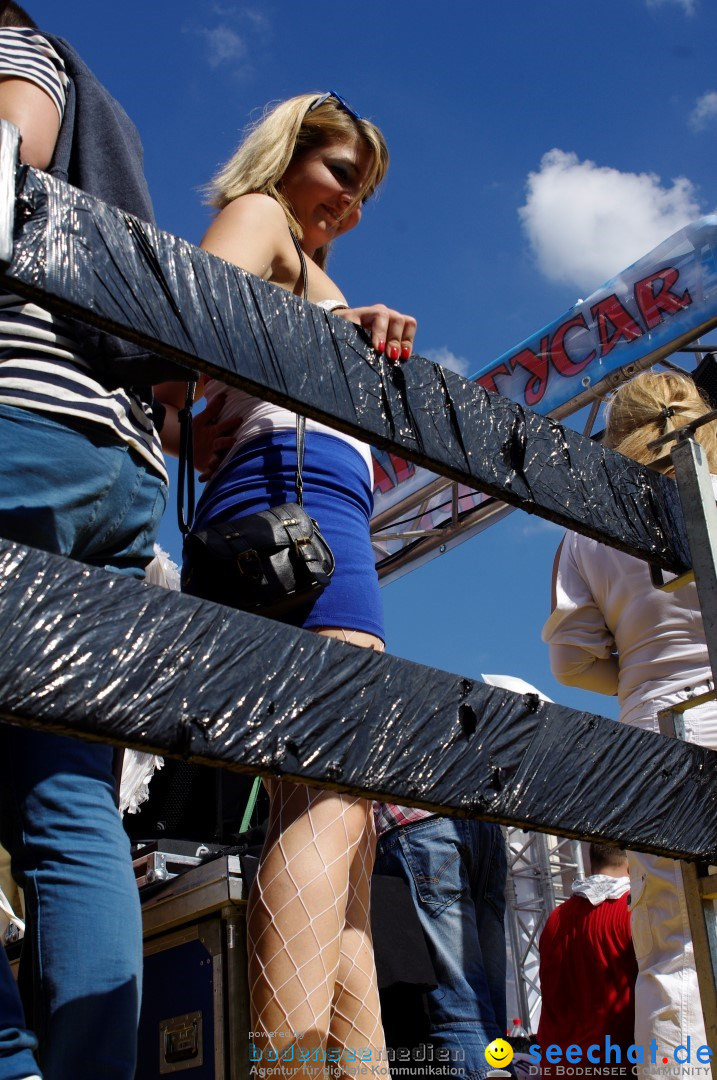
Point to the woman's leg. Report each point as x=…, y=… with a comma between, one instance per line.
x=297, y=909
x=311, y=971
x=356, y=1029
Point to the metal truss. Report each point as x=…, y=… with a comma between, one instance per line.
x=541, y=869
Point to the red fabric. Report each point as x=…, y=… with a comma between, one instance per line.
x=587, y=978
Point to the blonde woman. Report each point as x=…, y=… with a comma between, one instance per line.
x=611, y=631
x=297, y=182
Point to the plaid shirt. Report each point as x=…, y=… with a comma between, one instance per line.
x=389, y=816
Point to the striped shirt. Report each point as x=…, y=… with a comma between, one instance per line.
x=26, y=54
x=41, y=366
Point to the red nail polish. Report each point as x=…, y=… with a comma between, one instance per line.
x=405, y=352
x=393, y=352
x=382, y=346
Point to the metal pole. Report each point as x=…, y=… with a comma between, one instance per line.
x=700, y=512
x=237, y=993
x=9, y=148
x=700, y=893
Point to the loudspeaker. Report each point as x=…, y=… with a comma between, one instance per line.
x=194, y=802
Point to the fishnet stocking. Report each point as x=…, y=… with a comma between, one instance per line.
x=312, y=977
x=311, y=969
x=356, y=1020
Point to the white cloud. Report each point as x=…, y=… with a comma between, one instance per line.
x=688, y=6
x=587, y=222
x=224, y=45
x=443, y=356
x=257, y=19
x=704, y=111
x=233, y=38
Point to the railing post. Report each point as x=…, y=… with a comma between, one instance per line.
x=9, y=147
x=697, y=496
x=694, y=484
x=700, y=889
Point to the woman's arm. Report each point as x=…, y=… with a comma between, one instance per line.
x=581, y=645
x=211, y=438
x=573, y=666
x=172, y=396
x=251, y=232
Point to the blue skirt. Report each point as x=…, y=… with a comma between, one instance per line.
x=336, y=493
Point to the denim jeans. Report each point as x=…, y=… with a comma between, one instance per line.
x=76, y=491
x=456, y=871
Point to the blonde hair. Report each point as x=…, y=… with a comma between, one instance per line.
x=279, y=138
x=649, y=406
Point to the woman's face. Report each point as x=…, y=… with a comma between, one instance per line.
x=321, y=185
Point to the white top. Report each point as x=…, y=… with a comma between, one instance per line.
x=606, y=603
x=260, y=418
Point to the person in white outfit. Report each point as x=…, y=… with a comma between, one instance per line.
x=613, y=632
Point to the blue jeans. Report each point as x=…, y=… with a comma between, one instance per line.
x=76, y=491
x=456, y=871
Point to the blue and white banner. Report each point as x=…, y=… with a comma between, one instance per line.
x=647, y=311
x=650, y=310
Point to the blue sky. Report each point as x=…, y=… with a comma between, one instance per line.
x=537, y=149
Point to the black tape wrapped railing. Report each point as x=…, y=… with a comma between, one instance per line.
x=103, y=657
x=106, y=657
x=78, y=256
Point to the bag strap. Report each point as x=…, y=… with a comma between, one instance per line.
x=185, y=466
x=302, y=261
x=300, y=420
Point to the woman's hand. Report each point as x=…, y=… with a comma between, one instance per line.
x=391, y=332
x=212, y=438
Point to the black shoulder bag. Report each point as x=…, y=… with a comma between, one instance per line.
x=268, y=563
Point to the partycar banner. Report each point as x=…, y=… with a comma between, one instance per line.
x=661, y=302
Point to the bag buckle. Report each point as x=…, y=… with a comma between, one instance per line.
x=248, y=563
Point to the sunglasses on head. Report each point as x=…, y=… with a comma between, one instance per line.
x=323, y=98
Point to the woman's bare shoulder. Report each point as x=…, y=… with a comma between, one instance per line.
x=256, y=202
x=250, y=231
x=254, y=210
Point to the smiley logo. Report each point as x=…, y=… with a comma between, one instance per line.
x=499, y=1053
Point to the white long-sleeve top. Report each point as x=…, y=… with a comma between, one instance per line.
x=607, y=605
